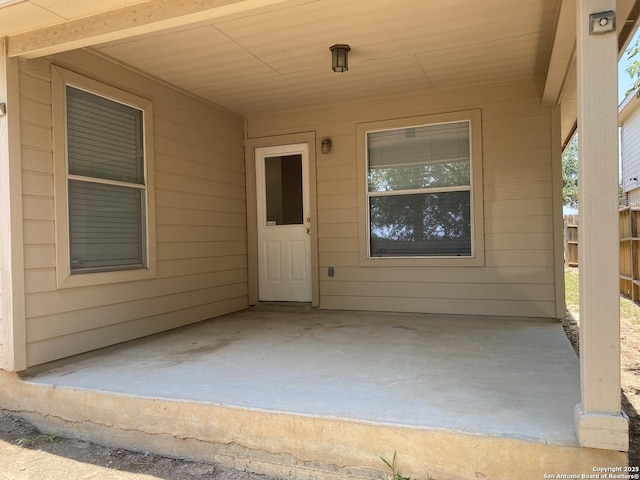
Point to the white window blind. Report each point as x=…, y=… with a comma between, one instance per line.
x=106, y=184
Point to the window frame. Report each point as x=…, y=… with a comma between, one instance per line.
x=477, y=258
x=61, y=78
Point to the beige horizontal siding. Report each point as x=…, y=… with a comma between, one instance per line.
x=442, y=275
x=337, y=215
x=517, y=223
x=516, y=125
x=193, y=266
x=534, y=156
x=508, y=174
x=500, y=102
x=200, y=220
x=336, y=201
x=177, y=233
x=37, y=208
x=40, y=279
x=108, y=295
x=443, y=306
x=69, y=322
x=339, y=260
x=338, y=230
x=438, y=291
x=66, y=345
x=518, y=278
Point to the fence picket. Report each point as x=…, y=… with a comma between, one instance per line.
x=571, y=240
x=629, y=222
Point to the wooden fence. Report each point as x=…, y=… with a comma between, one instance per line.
x=629, y=231
x=571, y=240
x=629, y=245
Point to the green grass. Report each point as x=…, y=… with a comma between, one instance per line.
x=392, y=466
x=571, y=289
x=628, y=309
x=32, y=441
x=394, y=475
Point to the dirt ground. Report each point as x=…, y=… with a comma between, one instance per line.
x=630, y=376
x=630, y=365
x=26, y=454
x=630, y=360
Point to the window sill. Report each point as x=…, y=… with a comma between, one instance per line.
x=477, y=261
x=104, y=278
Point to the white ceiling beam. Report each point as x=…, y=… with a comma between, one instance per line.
x=129, y=21
x=564, y=45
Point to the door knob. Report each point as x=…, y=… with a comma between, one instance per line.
x=308, y=230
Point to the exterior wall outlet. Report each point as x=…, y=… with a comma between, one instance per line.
x=331, y=272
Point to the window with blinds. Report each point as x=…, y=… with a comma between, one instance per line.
x=419, y=191
x=105, y=183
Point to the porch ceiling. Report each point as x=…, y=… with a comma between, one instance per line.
x=277, y=57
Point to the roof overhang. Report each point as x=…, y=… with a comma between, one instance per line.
x=561, y=81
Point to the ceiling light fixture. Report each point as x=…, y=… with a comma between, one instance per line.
x=339, y=57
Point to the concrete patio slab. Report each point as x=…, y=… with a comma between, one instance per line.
x=327, y=389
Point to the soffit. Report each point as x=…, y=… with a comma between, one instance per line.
x=279, y=58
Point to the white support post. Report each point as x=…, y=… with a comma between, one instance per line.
x=12, y=306
x=600, y=422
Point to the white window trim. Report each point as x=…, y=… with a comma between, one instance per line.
x=477, y=257
x=60, y=79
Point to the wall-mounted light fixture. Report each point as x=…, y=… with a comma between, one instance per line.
x=339, y=57
x=602, y=22
x=326, y=145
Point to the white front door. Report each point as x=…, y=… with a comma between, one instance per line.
x=284, y=241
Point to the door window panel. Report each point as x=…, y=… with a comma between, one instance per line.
x=283, y=190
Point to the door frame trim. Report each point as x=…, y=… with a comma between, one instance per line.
x=250, y=146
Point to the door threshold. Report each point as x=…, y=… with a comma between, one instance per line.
x=293, y=307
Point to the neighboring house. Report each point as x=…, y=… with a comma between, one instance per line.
x=427, y=176
x=629, y=118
